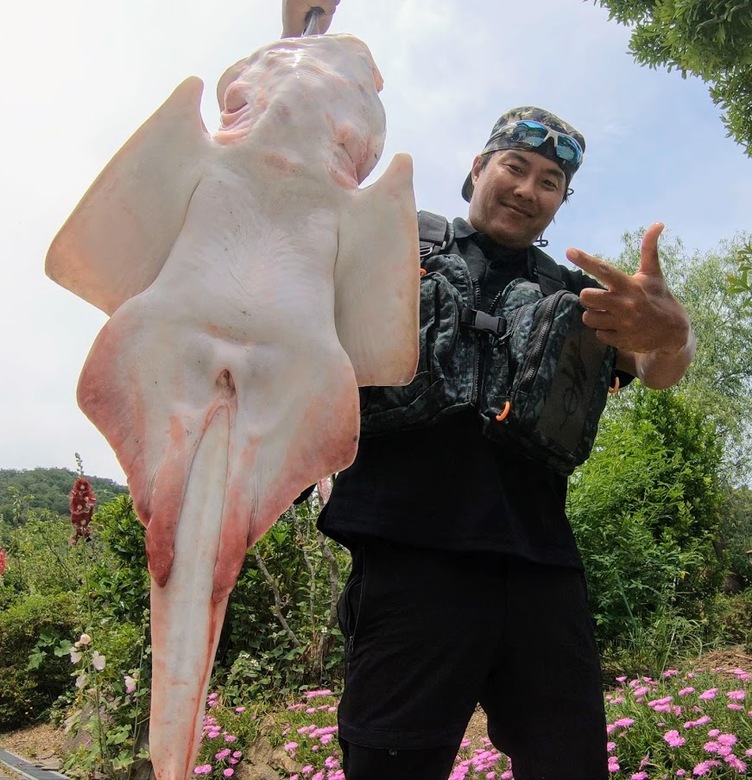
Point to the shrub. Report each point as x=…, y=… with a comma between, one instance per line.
x=32, y=674
x=281, y=633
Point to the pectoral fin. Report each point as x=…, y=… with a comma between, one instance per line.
x=376, y=279
x=117, y=239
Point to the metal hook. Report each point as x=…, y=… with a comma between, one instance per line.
x=312, y=21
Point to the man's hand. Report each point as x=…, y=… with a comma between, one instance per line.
x=294, y=14
x=638, y=315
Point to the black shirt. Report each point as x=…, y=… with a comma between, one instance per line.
x=446, y=485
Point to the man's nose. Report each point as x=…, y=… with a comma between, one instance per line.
x=525, y=187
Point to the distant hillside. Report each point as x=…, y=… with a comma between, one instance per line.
x=46, y=489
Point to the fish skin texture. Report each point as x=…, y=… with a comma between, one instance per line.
x=252, y=287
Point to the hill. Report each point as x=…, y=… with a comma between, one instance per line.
x=46, y=488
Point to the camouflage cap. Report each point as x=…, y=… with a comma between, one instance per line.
x=497, y=142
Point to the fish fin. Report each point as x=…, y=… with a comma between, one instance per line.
x=376, y=279
x=118, y=237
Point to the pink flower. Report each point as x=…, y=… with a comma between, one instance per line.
x=97, y=660
x=736, y=763
x=736, y=695
x=82, y=500
x=693, y=724
x=314, y=694
x=673, y=739
x=204, y=769
x=709, y=694
x=230, y=738
x=624, y=723
x=222, y=754
x=613, y=764
x=229, y=772
x=704, y=767
x=290, y=746
x=639, y=776
x=130, y=683
x=671, y=673
x=239, y=709
x=686, y=691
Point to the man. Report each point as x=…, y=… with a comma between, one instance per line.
x=467, y=585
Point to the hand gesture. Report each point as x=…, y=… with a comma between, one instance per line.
x=638, y=314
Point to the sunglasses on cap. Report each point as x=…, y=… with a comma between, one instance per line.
x=531, y=134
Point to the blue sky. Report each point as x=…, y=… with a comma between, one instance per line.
x=79, y=77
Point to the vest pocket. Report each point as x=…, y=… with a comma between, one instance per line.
x=445, y=357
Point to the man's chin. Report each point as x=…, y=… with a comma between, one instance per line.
x=509, y=236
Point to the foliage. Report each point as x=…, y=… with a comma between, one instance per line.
x=740, y=281
x=731, y=617
x=110, y=707
x=711, y=39
x=671, y=725
x=695, y=724
x=32, y=675
x=119, y=577
x=645, y=510
x=224, y=729
x=736, y=534
x=281, y=630
x=41, y=558
x=45, y=489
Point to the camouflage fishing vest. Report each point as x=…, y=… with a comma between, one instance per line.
x=534, y=372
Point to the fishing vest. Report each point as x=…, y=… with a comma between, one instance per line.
x=536, y=375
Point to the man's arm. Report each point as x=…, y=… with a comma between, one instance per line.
x=294, y=15
x=639, y=316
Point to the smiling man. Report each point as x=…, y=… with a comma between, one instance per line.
x=467, y=585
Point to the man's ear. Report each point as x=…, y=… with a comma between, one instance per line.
x=477, y=167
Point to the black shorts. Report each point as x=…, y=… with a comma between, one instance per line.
x=432, y=633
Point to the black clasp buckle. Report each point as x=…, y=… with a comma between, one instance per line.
x=485, y=323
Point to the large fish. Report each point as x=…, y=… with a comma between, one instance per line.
x=252, y=287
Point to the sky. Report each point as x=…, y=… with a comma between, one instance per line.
x=78, y=77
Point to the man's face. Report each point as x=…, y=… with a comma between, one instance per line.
x=515, y=196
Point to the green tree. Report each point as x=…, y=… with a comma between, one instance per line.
x=711, y=39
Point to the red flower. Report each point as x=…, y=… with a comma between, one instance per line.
x=2, y=562
x=82, y=500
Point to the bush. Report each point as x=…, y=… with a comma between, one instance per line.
x=281, y=633
x=731, y=617
x=645, y=509
x=31, y=630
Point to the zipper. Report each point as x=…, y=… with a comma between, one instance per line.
x=475, y=390
x=530, y=366
x=351, y=639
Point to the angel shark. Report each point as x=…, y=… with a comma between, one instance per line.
x=251, y=287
